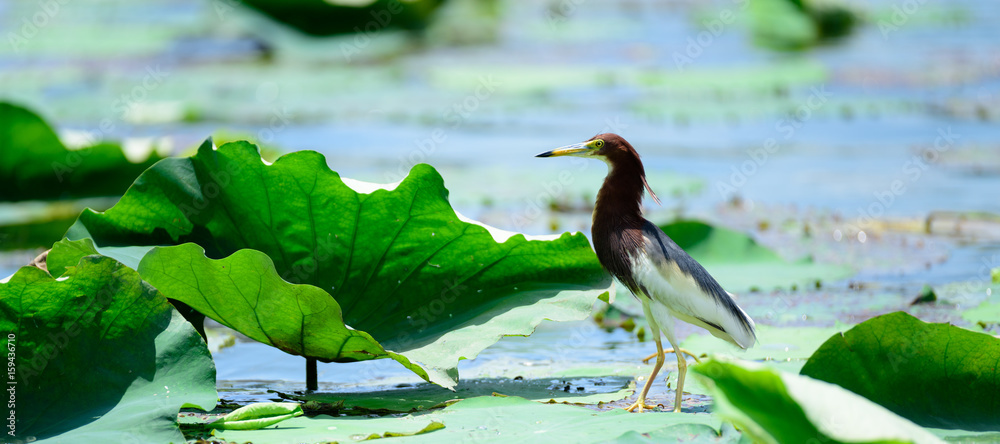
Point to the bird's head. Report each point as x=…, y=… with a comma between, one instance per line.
x=608, y=147
x=613, y=150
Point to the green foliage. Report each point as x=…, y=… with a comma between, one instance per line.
x=426, y=396
x=486, y=419
x=319, y=17
x=683, y=433
x=399, y=262
x=34, y=163
x=926, y=296
x=244, y=292
x=66, y=253
x=987, y=313
x=257, y=416
x=434, y=425
x=773, y=406
x=798, y=24
x=739, y=263
x=937, y=375
x=100, y=355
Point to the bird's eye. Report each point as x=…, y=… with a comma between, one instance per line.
x=599, y=144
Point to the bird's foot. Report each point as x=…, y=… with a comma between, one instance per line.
x=670, y=350
x=640, y=405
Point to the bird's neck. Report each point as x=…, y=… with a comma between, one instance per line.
x=619, y=201
x=618, y=222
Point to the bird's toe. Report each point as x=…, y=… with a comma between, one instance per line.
x=639, y=406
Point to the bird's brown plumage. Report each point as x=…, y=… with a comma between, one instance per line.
x=621, y=234
x=670, y=284
x=618, y=221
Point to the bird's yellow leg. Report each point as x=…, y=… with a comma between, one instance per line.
x=670, y=350
x=640, y=403
x=682, y=368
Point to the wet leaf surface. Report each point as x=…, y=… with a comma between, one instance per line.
x=394, y=262
x=576, y=390
x=775, y=406
x=485, y=418
x=100, y=355
x=937, y=375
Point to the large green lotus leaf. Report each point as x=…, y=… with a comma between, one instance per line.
x=401, y=264
x=65, y=254
x=487, y=418
x=34, y=163
x=937, y=375
x=423, y=396
x=777, y=407
x=244, y=292
x=100, y=356
x=329, y=17
x=683, y=433
x=739, y=263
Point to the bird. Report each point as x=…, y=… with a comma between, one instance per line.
x=668, y=281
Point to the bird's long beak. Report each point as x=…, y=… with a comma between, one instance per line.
x=569, y=150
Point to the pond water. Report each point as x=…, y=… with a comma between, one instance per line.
x=876, y=133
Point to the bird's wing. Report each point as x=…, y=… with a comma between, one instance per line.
x=668, y=275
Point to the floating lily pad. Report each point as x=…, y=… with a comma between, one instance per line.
x=590, y=390
x=937, y=375
x=739, y=263
x=367, y=18
x=683, y=433
x=401, y=265
x=485, y=418
x=799, y=24
x=101, y=356
x=988, y=311
x=773, y=343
